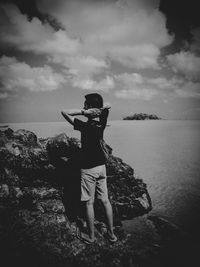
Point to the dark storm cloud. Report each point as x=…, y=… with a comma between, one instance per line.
x=182, y=16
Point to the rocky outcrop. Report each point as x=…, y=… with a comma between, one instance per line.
x=40, y=208
x=40, y=192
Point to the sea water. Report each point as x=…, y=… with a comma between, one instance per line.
x=165, y=154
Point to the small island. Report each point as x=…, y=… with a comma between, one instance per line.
x=142, y=116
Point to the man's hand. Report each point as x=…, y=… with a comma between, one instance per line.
x=106, y=106
x=92, y=112
x=95, y=112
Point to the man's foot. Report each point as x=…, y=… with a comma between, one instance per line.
x=85, y=238
x=111, y=237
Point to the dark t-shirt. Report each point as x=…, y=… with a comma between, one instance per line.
x=91, y=151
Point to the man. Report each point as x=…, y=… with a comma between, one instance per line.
x=93, y=170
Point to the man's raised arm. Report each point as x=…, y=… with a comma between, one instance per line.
x=69, y=113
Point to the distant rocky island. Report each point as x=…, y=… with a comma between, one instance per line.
x=142, y=116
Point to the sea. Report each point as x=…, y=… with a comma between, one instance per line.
x=164, y=153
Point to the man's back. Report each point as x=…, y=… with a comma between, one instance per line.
x=91, y=136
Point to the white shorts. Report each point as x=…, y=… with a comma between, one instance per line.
x=92, y=180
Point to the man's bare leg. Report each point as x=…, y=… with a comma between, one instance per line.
x=109, y=217
x=90, y=221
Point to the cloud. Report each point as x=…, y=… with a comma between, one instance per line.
x=185, y=63
x=195, y=45
x=3, y=95
x=88, y=84
x=133, y=87
x=138, y=56
x=33, y=35
x=136, y=93
x=16, y=75
x=167, y=85
x=80, y=67
x=41, y=38
x=136, y=86
x=129, y=32
x=189, y=90
x=176, y=87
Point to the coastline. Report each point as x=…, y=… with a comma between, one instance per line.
x=164, y=153
x=37, y=202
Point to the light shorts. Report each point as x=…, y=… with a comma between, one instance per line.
x=91, y=179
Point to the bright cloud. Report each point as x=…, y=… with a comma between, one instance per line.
x=93, y=34
x=138, y=56
x=136, y=93
x=33, y=35
x=135, y=86
x=185, y=63
x=80, y=67
x=131, y=32
x=16, y=75
x=103, y=85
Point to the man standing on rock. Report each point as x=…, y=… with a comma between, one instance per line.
x=93, y=169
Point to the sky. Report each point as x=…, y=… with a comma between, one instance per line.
x=140, y=55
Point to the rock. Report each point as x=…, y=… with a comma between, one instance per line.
x=144, y=201
x=4, y=191
x=26, y=137
x=40, y=201
x=62, y=146
x=22, y=155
